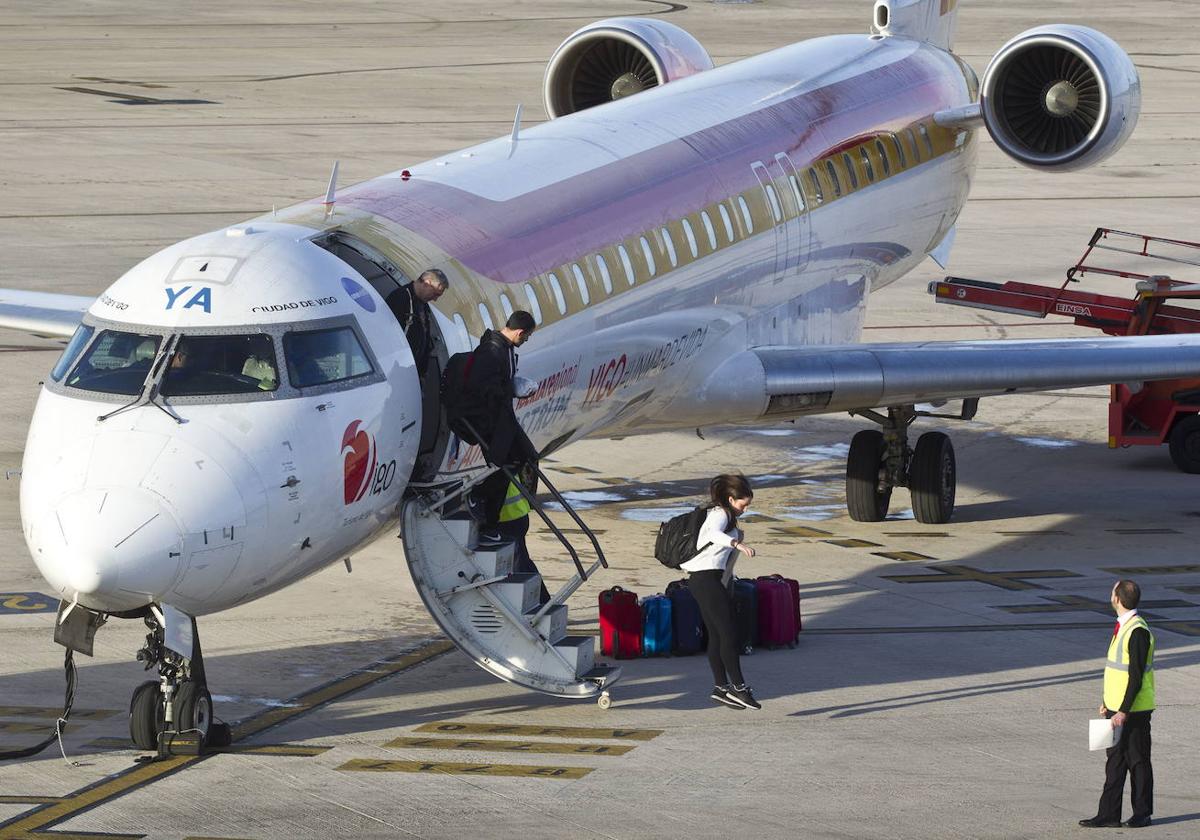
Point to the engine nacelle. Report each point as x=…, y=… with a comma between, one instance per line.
x=1060, y=97
x=615, y=58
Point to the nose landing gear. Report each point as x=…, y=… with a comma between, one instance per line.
x=174, y=713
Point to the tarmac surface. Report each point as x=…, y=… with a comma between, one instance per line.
x=945, y=676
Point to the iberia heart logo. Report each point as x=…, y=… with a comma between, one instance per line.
x=358, y=454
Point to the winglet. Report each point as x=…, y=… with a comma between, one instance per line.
x=331, y=192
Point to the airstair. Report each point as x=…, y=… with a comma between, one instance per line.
x=491, y=612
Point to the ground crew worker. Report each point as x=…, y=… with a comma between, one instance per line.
x=1128, y=703
x=514, y=525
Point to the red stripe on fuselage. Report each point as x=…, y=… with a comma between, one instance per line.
x=514, y=239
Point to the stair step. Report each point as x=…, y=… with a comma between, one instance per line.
x=603, y=674
x=580, y=651
x=521, y=592
x=553, y=625
x=496, y=559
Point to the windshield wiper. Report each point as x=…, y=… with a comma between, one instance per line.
x=152, y=384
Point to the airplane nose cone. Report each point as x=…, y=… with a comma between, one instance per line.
x=115, y=549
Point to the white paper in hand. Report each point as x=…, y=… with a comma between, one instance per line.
x=1102, y=734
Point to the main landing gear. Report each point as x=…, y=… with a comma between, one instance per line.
x=174, y=713
x=880, y=460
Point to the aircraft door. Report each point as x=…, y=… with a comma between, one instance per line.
x=777, y=216
x=793, y=199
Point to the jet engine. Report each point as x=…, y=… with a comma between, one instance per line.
x=615, y=58
x=1060, y=97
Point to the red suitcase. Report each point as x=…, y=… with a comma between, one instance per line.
x=794, y=585
x=620, y=624
x=776, y=612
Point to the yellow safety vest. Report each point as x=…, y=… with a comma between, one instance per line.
x=515, y=505
x=1116, y=670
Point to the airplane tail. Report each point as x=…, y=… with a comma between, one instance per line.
x=933, y=21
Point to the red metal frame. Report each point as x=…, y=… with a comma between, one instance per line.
x=1147, y=415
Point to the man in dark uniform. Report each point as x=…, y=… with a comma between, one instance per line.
x=492, y=415
x=1128, y=703
x=410, y=305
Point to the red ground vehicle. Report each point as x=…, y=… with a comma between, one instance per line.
x=1150, y=413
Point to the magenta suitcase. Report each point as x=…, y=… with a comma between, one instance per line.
x=794, y=585
x=776, y=612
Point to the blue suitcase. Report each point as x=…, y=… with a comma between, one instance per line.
x=687, y=627
x=656, y=625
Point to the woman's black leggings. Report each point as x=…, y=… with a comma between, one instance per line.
x=716, y=608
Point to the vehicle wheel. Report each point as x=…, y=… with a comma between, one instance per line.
x=1184, y=443
x=604, y=701
x=193, y=709
x=932, y=478
x=146, y=716
x=864, y=500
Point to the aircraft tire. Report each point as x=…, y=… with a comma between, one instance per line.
x=193, y=709
x=1184, y=444
x=864, y=501
x=932, y=476
x=146, y=715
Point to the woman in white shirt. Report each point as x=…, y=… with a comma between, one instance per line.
x=709, y=573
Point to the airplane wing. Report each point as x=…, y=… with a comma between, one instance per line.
x=792, y=381
x=42, y=313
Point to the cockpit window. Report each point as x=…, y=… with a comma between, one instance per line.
x=83, y=334
x=319, y=357
x=116, y=363
x=204, y=365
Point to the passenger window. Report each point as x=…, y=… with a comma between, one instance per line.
x=900, y=152
x=866, y=159
x=319, y=357
x=670, y=245
x=116, y=363
x=708, y=229
x=883, y=158
x=797, y=192
x=745, y=208
x=83, y=334
x=816, y=184
x=849, y=162
x=535, y=307
x=690, y=235
x=559, y=300
x=773, y=199
x=727, y=222
x=486, y=316
x=649, y=255
x=506, y=305
x=912, y=144
x=626, y=264
x=204, y=365
x=833, y=178
x=463, y=335
x=581, y=284
x=602, y=268
x=928, y=142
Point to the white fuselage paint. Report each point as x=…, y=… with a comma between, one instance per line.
x=245, y=497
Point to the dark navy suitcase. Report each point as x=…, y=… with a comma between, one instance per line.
x=656, y=625
x=745, y=614
x=688, y=635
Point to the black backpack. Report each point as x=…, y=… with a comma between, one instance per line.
x=457, y=396
x=676, y=542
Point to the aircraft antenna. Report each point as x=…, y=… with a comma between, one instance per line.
x=516, y=129
x=331, y=192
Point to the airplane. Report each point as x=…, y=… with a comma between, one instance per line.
x=696, y=244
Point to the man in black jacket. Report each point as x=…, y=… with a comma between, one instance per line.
x=410, y=305
x=1128, y=703
x=491, y=412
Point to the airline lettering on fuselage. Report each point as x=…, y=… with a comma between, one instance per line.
x=295, y=304
x=550, y=400
x=606, y=379
x=202, y=298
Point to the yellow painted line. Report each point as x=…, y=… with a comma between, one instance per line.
x=903, y=555
x=852, y=543
x=439, y=767
x=248, y=749
x=450, y=727
x=143, y=774
x=29, y=800
x=509, y=746
x=570, y=470
x=801, y=531
x=52, y=713
x=1151, y=570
